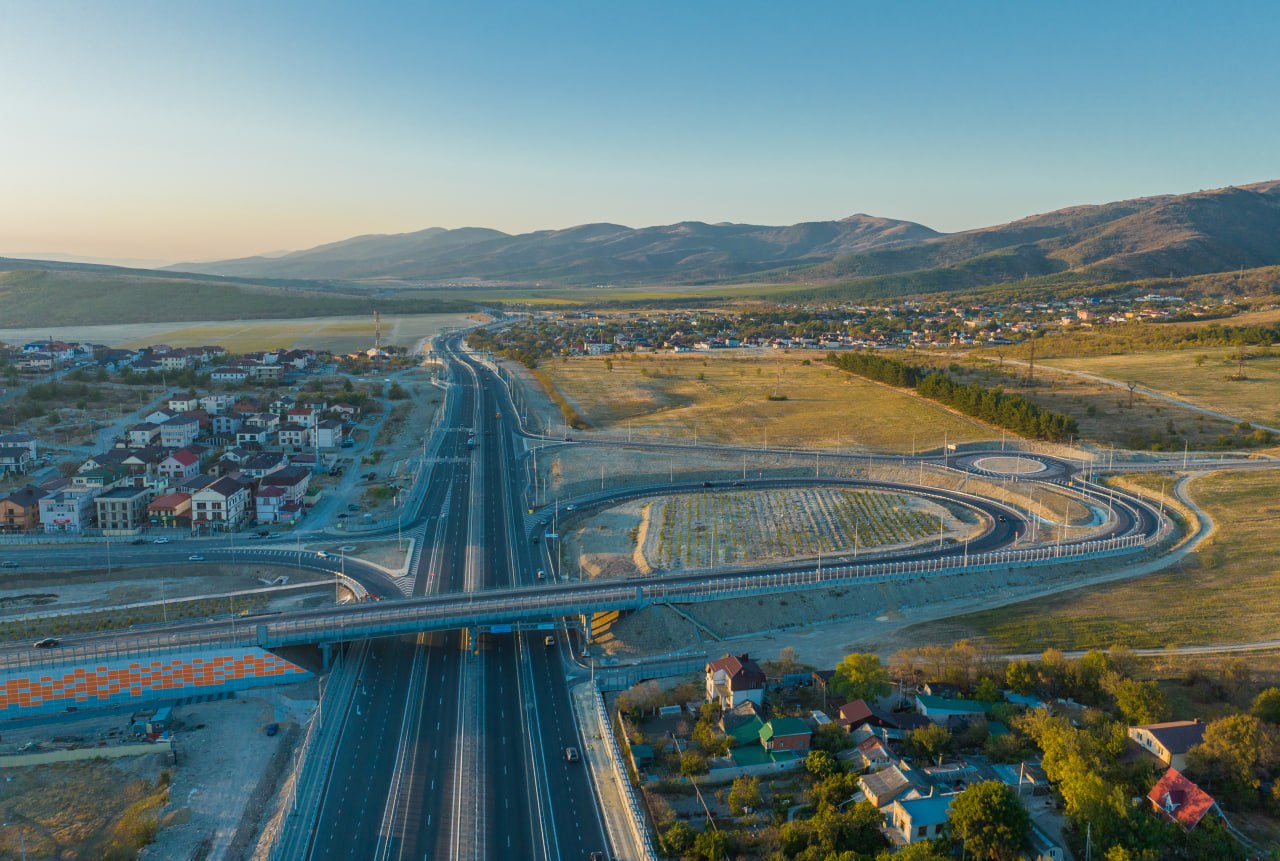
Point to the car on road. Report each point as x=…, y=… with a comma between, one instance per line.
x=161, y=541
x=348, y=443
x=571, y=507
x=571, y=754
x=321, y=554
x=8, y=563
x=46, y=643
x=353, y=507
x=548, y=640
x=597, y=856
x=1002, y=519
x=195, y=557
x=542, y=575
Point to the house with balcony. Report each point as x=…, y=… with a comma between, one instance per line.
x=69, y=510
x=20, y=510
x=142, y=435
x=222, y=505
x=295, y=435
x=180, y=431
x=330, y=433
x=19, y=439
x=734, y=679
x=180, y=464
x=16, y=460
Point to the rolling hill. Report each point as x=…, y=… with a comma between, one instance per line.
x=689, y=251
x=48, y=293
x=861, y=256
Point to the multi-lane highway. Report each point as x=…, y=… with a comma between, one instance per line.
x=454, y=747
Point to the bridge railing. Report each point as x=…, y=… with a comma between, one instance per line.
x=635, y=812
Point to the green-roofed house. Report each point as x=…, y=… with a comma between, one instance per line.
x=786, y=733
x=744, y=731
x=940, y=709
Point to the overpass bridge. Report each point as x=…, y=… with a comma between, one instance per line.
x=526, y=605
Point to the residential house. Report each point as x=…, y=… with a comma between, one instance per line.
x=293, y=480
x=216, y=404
x=305, y=416
x=229, y=374
x=224, y=504
x=69, y=510
x=226, y=423
x=882, y=787
x=102, y=478
x=733, y=679
x=941, y=709
x=263, y=464
x=16, y=460
x=20, y=510
x=863, y=720
x=266, y=373
x=179, y=431
x=282, y=404
x=272, y=506
x=142, y=435
x=159, y=417
x=1043, y=848
x=122, y=508
x=742, y=724
x=872, y=754
x=183, y=402
x=180, y=464
x=1177, y=799
x=918, y=819
x=18, y=439
x=171, y=509
x=1169, y=742
x=330, y=433
x=295, y=435
x=785, y=733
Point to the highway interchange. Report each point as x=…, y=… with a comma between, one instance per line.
x=454, y=744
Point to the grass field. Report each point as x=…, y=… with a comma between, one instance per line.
x=339, y=334
x=735, y=528
x=1227, y=591
x=779, y=399
x=1102, y=410
x=1206, y=384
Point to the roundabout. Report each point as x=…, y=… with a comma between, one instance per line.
x=1010, y=465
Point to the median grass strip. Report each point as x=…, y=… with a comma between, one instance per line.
x=1227, y=591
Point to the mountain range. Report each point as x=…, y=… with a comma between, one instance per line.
x=1169, y=235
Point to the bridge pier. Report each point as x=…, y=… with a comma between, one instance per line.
x=326, y=656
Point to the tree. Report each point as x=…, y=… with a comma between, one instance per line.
x=925, y=850
x=1236, y=753
x=787, y=658
x=744, y=795
x=821, y=764
x=861, y=676
x=831, y=738
x=711, y=845
x=1266, y=706
x=397, y=392
x=991, y=822
x=1139, y=702
x=678, y=839
x=1020, y=677
x=987, y=690
x=693, y=763
x=930, y=741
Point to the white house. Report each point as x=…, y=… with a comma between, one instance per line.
x=221, y=505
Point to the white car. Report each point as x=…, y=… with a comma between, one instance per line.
x=195, y=557
x=161, y=541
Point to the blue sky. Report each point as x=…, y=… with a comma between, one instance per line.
x=174, y=130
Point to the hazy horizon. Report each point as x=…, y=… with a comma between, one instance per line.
x=171, y=132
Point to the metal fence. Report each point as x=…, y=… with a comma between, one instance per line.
x=635, y=813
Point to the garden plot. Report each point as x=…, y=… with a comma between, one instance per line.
x=703, y=530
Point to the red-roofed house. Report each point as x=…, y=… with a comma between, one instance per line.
x=1179, y=800
x=181, y=464
x=734, y=679
x=171, y=509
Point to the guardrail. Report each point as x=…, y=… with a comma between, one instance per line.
x=635, y=815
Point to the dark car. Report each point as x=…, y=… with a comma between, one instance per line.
x=46, y=643
x=571, y=754
x=8, y=563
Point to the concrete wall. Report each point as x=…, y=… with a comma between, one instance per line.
x=53, y=688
